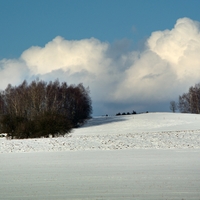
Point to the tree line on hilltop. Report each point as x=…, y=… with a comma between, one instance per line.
x=40, y=109
x=128, y=113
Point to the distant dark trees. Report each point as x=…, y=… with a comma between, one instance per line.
x=128, y=113
x=40, y=109
x=190, y=102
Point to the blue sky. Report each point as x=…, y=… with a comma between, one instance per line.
x=25, y=23
x=120, y=28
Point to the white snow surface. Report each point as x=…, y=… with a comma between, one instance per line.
x=141, y=131
x=152, y=156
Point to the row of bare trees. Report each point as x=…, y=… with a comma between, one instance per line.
x=188, y=102
x=39, y=109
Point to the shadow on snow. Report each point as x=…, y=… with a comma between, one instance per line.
x=97, y=121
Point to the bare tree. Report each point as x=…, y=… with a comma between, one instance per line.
x=190, y=102
x=173, y=106
x=184, y=103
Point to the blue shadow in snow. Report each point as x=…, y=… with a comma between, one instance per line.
x=97, y=121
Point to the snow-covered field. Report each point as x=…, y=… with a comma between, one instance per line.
x=144, y=156
x=142, y=131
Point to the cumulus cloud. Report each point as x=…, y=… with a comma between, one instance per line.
x=180, y=47
x=118, y=77
x=169, y=64
x=73, y=56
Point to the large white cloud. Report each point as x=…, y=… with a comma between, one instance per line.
x=180, y=47
x=168, y=65
x=73, y=56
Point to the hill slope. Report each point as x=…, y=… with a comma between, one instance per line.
x=142, y=131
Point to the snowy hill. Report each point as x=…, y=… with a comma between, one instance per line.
x=141, y=131
x=151, y=156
